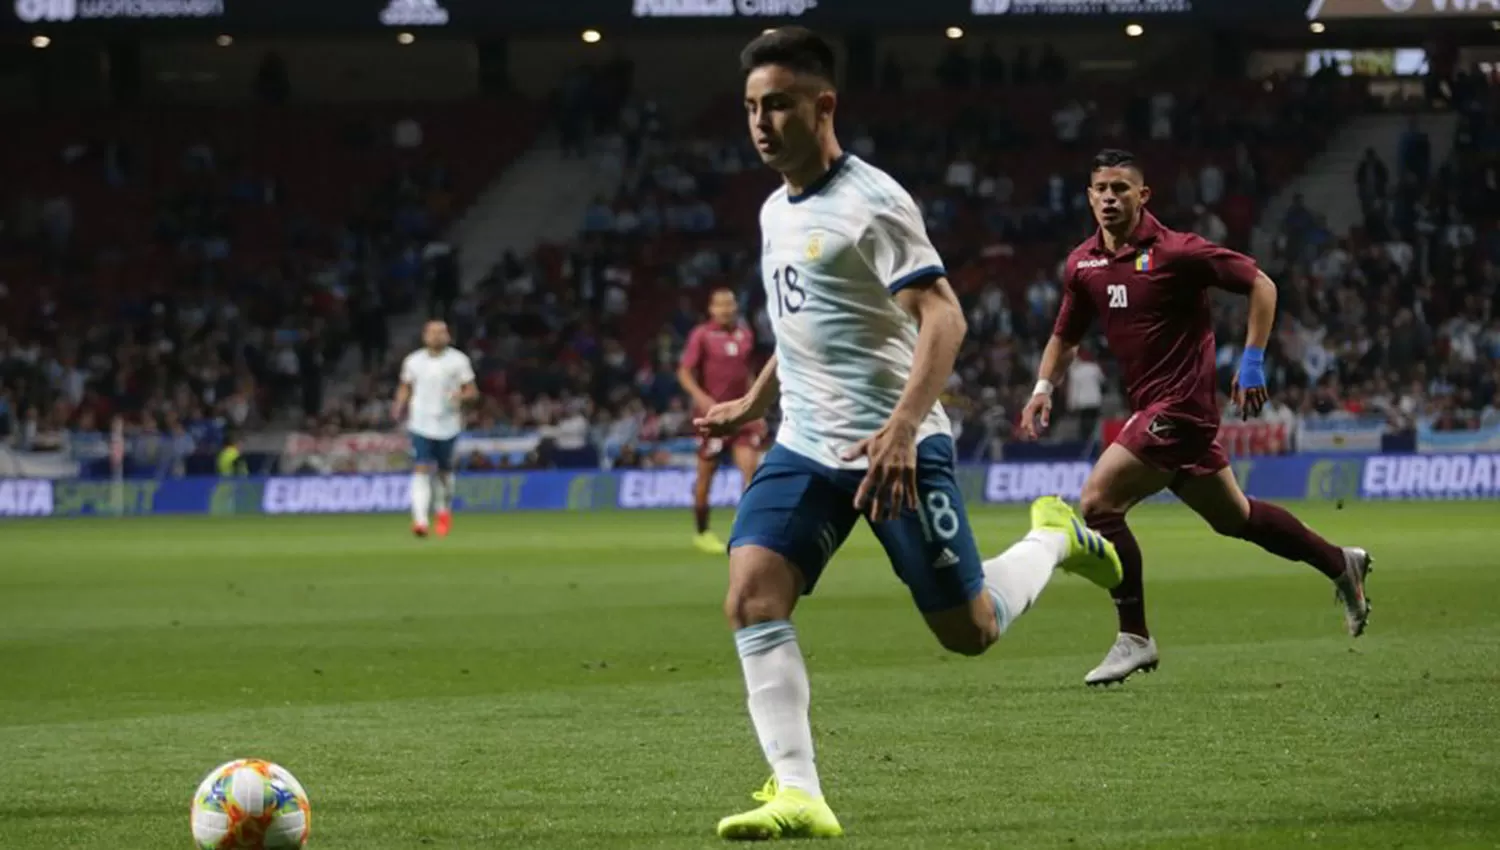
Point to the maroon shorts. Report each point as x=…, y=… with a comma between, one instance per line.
x=752, y=435
x=1170, y=444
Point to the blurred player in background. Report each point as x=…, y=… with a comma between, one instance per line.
x=436, y=381
x=867, y=330
x=716, y=367
x=1149, y=287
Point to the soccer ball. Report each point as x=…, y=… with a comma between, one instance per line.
x=250, y=804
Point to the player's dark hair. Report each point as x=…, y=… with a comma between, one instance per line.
x=795, y=48
x=1116, y=158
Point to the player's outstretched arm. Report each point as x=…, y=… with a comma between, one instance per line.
x=725, y=418
x=1249, y=388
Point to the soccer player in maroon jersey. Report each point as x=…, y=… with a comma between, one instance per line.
x=716, y=367
x=1148, y=286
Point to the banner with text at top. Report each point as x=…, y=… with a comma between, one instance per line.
x=503, y=17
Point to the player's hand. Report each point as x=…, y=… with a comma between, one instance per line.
x=725, y=418
x=1036, y=416
x=1248, y=390
x=398, y=411
x=1248, y=400
x=890, y=485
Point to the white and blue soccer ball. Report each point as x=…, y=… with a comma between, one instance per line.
x=250, y=804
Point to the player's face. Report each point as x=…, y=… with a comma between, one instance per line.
x=724, y=308
x=435, y=335
x=1117, y=195
x=785, y=111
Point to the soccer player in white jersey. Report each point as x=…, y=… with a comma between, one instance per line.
x=436, y=381
x=867, y=330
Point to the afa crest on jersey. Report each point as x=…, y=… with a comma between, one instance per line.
x=814, y=249
x=1143, y=261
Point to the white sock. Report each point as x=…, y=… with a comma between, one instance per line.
x=1016, y=577
x=421, y=497
x=444, y=491
x=776, y=681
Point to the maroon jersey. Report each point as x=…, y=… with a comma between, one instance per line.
x=720, y=358
x=1152, y=296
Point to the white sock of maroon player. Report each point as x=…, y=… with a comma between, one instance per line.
x=1016, y=577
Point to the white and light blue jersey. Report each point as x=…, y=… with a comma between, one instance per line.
x=435, y=382
x=832, y=260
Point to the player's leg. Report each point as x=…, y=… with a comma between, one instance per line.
x=790, y=522
x=444, y=481
x=1217, y=498
x=423, y=464
x=1120, y=480
x=709, y=452
x=969, y=603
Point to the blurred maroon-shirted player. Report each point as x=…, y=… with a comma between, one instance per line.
x=1149, y=288
x=716, y=367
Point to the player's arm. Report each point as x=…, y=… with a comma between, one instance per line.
x=403, y=393
x=902, y=257
x=1237, y=273
x=1074, y=316
x=726, y=417
x=765, y=391
x=941, y=327
x=687, y=372
x=468, y=383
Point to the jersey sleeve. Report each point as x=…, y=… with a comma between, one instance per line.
x=1223, y=268
x=897, y=248
x=465, y=370
x=1075, y=313
x=408, y=372
x=692, y=352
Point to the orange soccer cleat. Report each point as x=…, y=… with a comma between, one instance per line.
x=444, y=523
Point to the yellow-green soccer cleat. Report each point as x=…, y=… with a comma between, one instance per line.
x=709, y=543
x=1089, y=554
x=784, y=813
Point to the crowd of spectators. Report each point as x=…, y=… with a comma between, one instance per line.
x=558, y=335
x=1399, y=320
x=225, y=307
x=579, y=342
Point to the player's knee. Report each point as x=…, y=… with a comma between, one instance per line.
x=971, y=640
x=760, y=590
x=1227, y=524
x=969, y=637
x=747, y=607
x=1094, y=503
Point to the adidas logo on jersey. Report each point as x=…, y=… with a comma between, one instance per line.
x=1092, y=264
x=414, y=13
x=947, y=559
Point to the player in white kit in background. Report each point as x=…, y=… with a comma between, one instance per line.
x=436, y=381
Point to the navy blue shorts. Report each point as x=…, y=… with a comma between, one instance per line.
x=803, y=511
x=426, y=451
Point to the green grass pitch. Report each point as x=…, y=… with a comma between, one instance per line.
x=566, y=681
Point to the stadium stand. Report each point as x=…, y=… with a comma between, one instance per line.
x=182, y=269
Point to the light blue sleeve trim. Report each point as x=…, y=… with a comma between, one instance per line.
x=917, y=276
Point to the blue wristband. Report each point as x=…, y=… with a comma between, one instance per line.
x=1253, y=368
